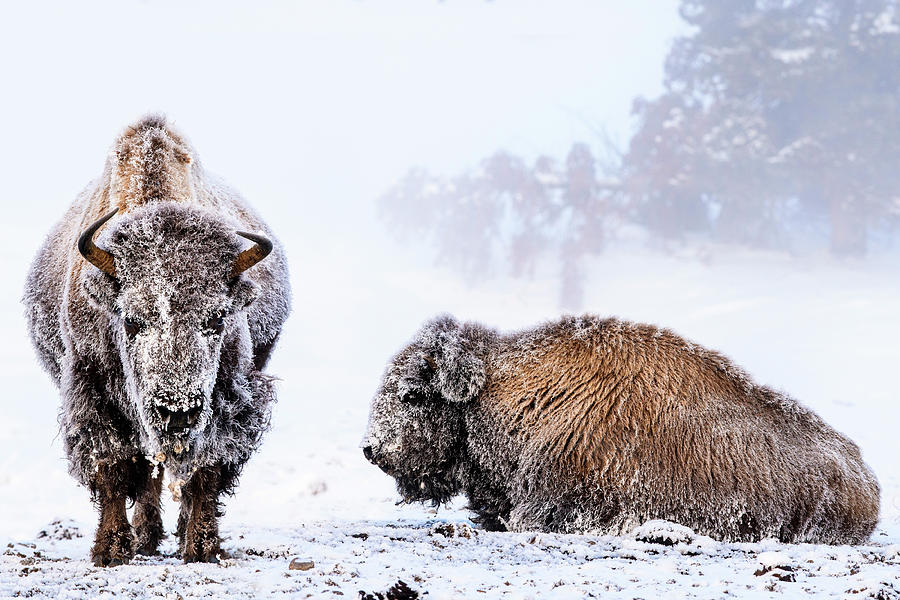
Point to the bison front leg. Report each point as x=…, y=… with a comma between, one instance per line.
x=198, y=526
x=114, y=542
x=148, y=525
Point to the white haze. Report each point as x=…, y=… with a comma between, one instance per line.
x=312, y=110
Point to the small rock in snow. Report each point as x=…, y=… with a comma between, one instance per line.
x=299, y=564
x=776, y=563
x=449, y=530
x=398, y=591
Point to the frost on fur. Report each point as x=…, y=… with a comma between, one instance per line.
x=590, y=424
x=159, y=351
x=444, y=364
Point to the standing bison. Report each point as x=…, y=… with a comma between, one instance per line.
x=592, y=424
x=157, y=333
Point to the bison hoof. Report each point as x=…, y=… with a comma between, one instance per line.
x=148, y=541
x=206, y=551
x=206, y=557
x=113, y=547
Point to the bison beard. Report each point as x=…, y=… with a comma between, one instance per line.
x=437, y=487
x=156, y=323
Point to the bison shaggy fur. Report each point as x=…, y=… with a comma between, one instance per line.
x=157, y=331
x=592, y=424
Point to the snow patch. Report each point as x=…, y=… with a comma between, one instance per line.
x=663, y=532
x=792, y=55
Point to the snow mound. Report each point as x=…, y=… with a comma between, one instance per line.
x=774, y=560
x=778, y=565
x=61, y=529
x=663, y=532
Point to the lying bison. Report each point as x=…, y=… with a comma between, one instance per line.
x=157, y=334
x=592, y=424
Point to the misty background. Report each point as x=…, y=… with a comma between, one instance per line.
x=727, y=169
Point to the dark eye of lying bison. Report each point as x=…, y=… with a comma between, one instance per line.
x=132, y=327
x=215, y=324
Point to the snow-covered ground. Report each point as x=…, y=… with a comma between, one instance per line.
x=824, y=331
x=447, y=558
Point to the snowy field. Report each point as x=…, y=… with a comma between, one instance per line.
x=824, y=331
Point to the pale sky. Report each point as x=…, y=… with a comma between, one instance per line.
x=310, y=109
x=316, y=107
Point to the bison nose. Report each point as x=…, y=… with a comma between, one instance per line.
x=367, y=452
x=177, y=421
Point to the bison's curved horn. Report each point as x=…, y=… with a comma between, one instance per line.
x=251, y=256
x=98, y=257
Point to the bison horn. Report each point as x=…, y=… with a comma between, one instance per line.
x=431, y=362
x=251, y=256
x=98, y=257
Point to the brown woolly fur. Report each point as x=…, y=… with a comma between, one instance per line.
x=590, y=424
x=159, y=343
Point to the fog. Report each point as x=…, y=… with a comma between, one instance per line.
x=314, y=110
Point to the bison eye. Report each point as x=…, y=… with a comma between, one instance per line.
x=412, y=398
x=132, y=327
x=215, y=324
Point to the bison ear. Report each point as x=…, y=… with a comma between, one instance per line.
x=243, y=292
x=101, y=289
x=459, y=371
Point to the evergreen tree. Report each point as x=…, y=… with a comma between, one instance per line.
x=778, y=119
x=775, y=113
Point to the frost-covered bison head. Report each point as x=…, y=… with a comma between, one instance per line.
x=169, y=278
x=415, y=431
